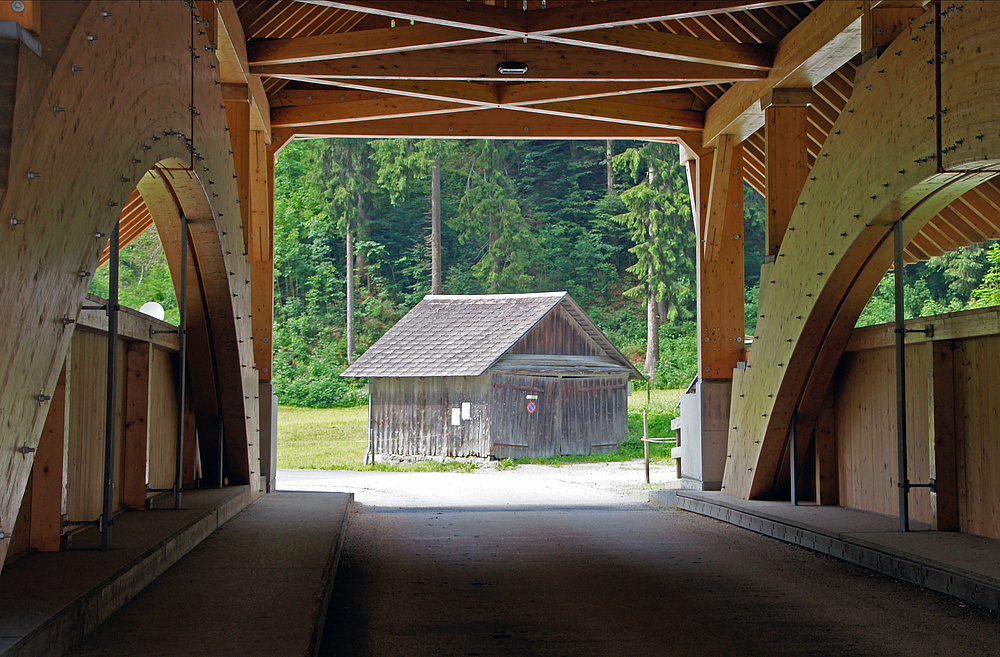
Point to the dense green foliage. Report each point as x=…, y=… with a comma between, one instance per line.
x=518, y=216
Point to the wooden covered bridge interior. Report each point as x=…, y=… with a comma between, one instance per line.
x=850, y=117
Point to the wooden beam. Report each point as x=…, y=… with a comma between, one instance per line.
x=262, y=266
x=620, y=13
x=720, y=279
x=497, y=123
x=619, y=112
x=823, y=42
x=406, y=38
x=29, y=17
x=238, y=118
x=48, y=476
x=943, y=436
x=723, y=163
x=234, y=68
x=787, y=166
x=136, y=430
x=470, y=16
x=545, y=62
x=367, y=110
x=679, y=47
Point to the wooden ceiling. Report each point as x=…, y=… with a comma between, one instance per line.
x=678, y=70
x=606, y=69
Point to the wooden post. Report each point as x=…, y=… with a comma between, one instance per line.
x=786, y=158
x=827, y=480
x=237, y=101
x=48, y=478
x=261, y=252
x=645, y=439
x=192, y=460
x=136, y=439
x=720, y=277
x=942, y=438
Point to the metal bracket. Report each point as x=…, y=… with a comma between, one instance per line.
x=153, y=331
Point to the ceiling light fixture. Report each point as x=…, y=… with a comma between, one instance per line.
x=512, y=68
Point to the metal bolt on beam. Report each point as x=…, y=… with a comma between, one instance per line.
x=91, y=38
x=42, y=398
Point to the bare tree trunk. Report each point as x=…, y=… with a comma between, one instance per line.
x=609, y=149
x=652, y=331
x=350, y=296
x=652, y=322
x=436, y=227
x=661, y=309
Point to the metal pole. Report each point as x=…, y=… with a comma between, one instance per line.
x=181, y=365
x=904, y=480
x=111, y=308
x=645, y=438
x=793, y=440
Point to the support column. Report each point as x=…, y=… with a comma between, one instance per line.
x=136, y=438
x=942, y=443
x=48, y=476
x=786, y=159
x=716, y=183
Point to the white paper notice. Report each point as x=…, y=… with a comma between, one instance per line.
x=456, y=417
x=466, y=410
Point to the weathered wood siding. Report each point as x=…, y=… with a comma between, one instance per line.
x=865, y=419
x=412, y=417
x=578, y=415
x=516, y=432
x=557, y=333
x=595, y=413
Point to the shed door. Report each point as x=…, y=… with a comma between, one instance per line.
x=522, y=415
x=594, y=414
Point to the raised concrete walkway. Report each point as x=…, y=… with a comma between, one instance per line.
x=961, y=565
x=256, y=585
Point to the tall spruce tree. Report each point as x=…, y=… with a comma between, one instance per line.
x=489, y=217
x=659, y=219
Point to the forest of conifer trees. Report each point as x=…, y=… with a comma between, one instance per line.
x=515, y=216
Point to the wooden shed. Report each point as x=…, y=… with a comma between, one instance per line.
x=506, y=375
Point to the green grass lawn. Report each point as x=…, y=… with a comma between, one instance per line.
x=337, y=438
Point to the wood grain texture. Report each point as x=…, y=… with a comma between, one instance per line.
x=865, y=411
x=837, y=247
x=137, y=424
x=123, y=115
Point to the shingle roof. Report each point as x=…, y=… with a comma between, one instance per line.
x=456, y=335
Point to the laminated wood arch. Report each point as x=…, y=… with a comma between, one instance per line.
x=102, y=121
x=921, y=129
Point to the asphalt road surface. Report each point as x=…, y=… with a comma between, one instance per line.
x=557, y=561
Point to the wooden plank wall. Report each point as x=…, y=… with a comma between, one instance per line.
x=977, y=406
x=163, y=419
x=557, y=333
x=85, y=380
x=412, y=417
x=594, y=415
x=515, y=432
x=83, y=430
x=865, y=423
